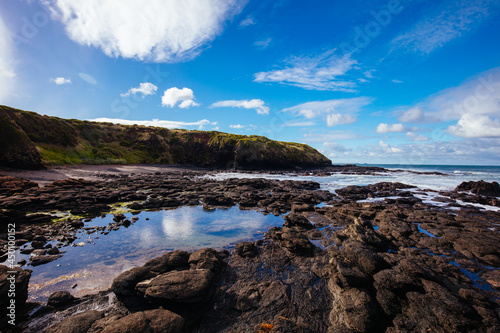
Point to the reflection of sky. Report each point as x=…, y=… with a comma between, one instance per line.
x=94, y=265
x=178, y=223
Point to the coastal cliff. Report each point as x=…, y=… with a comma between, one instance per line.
x=31, y=141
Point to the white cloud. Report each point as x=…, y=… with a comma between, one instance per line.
x=416, y=137
x=145, y=88
x=451, y=22
x=321, y=72
x=257, y=104
x=264, y=43
x=394, y=128
x=7, y=69
x=413, y=115
x=60, y=80
x=474, y=104
x=158, y=30
x=250, y=20
x=389, y=149
x=158, y=123
x=238, y=126
x=175, y=95
x=476, y=126
x=397, y=81
x=344, y=106
x=335, y=119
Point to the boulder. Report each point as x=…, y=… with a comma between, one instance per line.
x=152, y=321
x=60, y=298
x=189, y=286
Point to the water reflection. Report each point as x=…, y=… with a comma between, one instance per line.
x=93, y=266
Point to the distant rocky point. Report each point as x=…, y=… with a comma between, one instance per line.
x=31, y=141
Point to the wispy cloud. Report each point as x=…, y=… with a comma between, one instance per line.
x=237, y=126
x=248, y=21
x=145, y=89
x=451, y=21
x=335, y=111
x=256, y=104
x=263, y=44
x=175, y=95
x=321, y=72
x=158, y=123
x=160, y=31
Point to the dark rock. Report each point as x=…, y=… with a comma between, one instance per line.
x=189, y=286
x=296, y=220
x=246, y=249
x=18, y=282
x=124, y=284
x=167, y=262
x=480, y=187
x=60, y=298
x=40, y=260
x=153, y=321
x=78, y=323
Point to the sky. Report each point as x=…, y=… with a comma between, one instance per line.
x=393, y=81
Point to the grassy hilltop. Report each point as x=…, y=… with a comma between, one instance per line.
x=31, y=141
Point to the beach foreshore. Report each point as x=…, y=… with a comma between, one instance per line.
x=366, y=258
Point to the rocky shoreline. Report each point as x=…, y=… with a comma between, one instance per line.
x=336, y=264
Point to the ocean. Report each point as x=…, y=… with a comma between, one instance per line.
x=452, y=176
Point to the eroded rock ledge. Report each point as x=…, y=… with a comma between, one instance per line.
x=398, y=265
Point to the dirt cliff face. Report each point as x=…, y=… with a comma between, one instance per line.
x=30, y=141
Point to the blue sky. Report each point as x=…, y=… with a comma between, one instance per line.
x=408, y=82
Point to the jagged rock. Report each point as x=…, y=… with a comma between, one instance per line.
x=13, y=282
x=205, y=259
x=296, y=220
x=246, y=249
x=480, y=187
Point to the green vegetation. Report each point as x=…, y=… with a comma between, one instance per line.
x=28, y=140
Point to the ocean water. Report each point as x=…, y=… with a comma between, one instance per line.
x=452, y=176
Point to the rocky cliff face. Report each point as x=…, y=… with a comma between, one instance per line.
x=30, y=141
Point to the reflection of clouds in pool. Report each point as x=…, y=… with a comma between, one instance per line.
x=147, y=237
x=177, y=223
